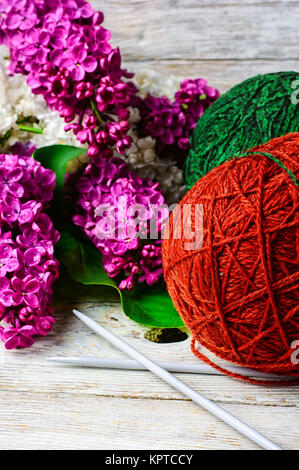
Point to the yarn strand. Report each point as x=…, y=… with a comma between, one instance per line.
x=274, y=159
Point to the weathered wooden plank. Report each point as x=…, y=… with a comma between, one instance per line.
x=26, y=368
x=51, y=379
x=186, y=3
x=63, y=421
x=163, y=29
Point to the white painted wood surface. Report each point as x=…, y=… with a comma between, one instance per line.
x=44, y=406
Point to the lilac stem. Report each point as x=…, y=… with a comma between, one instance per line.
x=96, y=111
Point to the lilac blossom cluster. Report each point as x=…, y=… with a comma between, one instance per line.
x=172, y=122
x=65, y=53
x=63, y=49
x=27, y=237
x=110, y=199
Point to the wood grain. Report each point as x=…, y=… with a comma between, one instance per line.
x=24, y=368
x=54, y=407
x=63, y=421
x=165, y=30
x=223, y=41
x=221, y=74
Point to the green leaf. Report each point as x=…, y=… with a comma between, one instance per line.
x=56, y=158
x=82, y=260
x=150, y=306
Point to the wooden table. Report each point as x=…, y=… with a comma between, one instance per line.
x=53, y=407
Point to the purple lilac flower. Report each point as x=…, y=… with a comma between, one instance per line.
x=37, y=48
x=65, y=53
x=108, y=195
x=171, y=123
x=25, y=292
x=22, y=150
x=14, y=211
x=27, y=237
x=79, y=63
x=18, y=337
x=8, y=259
x=9, y=181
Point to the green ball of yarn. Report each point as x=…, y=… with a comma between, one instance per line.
x=251, y=113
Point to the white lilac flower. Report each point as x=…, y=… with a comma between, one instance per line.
x=146, y=163
x=148, y=81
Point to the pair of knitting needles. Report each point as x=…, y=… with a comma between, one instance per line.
x=146, y=363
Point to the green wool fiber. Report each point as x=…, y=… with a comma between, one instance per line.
x=251, y=113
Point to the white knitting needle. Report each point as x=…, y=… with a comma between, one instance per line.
x=178, y=385
x=182, y=367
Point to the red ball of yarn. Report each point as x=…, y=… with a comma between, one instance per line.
x=238, y=292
